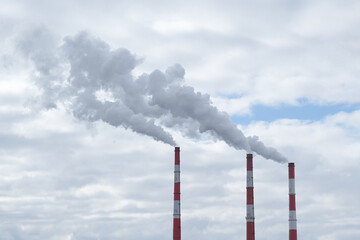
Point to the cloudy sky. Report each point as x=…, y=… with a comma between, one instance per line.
x=95, y=94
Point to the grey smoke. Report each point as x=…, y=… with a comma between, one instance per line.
x=96, y=83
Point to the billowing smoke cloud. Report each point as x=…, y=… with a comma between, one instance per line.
x=96, y=83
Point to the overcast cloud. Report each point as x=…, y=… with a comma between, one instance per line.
x=71, y=169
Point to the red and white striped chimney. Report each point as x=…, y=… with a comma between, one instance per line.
x=292, y=204
x=177, y=219
x=250, y=216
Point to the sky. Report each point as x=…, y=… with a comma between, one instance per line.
x=94, y=95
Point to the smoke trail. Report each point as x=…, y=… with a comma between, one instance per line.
x=96, y=83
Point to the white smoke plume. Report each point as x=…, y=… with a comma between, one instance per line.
x=96, y=83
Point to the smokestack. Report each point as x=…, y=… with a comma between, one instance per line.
x=292, y=204
x=177, y=219
x=250, y=216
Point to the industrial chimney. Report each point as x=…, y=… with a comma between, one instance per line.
x=177, y=219
x=250, y=216
x=292, y=204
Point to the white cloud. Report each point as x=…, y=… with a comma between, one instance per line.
x=327, y=19
x=64, y=179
